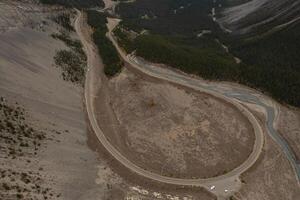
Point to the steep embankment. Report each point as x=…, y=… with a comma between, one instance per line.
x=43, y=139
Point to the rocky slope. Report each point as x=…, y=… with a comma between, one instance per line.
x=259, y=14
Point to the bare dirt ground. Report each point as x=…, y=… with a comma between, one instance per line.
x=22, y=13
x=289, y=127
x=272, y=177
x=63, y=167
x=137, y=187
x=176, y=132
x=109, y=4
x=266, y=180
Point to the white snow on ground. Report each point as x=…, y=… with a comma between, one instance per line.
x=203, y=32
x=285, y=12
x=236, y=13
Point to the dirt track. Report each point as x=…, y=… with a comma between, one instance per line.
x=175, y=131
x=229, y=180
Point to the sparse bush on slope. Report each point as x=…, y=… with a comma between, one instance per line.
x=71, y=61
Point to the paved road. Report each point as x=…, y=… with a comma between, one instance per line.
x=229, y=182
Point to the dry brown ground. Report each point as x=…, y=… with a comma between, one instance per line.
x=67, y=165
x=64, y=164
x=137, y=187
x=173, y=131
x=16, y=14
x=272, y=177
x=289, y=127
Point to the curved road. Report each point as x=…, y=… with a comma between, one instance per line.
x=225, y=184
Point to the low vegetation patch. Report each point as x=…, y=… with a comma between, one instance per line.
x=74, y=45
x=63, y=19
x=109, y=54
x=21, y=142
x=17, y=137
x=75, y=3
x=72, y=66
x=24, y=185
x=71, y=61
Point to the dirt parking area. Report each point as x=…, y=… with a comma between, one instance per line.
x=174, y=131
